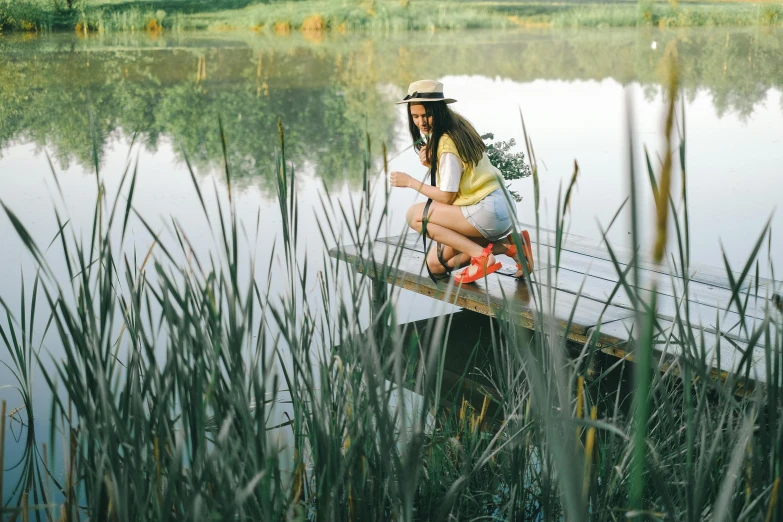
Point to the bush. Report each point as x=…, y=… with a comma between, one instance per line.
x=23, y=16
x=315, y=22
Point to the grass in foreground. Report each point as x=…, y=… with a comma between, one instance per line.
x=188, y=392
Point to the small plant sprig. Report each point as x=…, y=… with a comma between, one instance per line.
x=511, y=165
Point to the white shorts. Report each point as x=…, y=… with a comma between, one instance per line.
x=494, y=216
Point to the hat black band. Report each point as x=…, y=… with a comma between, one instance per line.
x=428, y=95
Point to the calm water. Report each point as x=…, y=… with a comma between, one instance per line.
x=330, y=92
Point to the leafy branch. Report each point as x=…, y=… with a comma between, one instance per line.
x=511, y=164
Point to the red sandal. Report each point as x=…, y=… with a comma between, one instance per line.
x=527, y=249
x=480, y=263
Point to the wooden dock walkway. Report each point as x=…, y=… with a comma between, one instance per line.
x=585, y=289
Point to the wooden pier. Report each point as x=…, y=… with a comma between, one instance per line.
x=585, y=291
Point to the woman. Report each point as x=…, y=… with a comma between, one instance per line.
x=469, y=214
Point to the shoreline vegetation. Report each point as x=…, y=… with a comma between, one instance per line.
x=315, y=16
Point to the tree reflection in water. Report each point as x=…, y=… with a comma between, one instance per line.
x=329, y=93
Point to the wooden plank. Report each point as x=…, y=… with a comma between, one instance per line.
x=411, y=241
x=705, y=302
x=698, y=292
x=495, y=296
x=701, y=273
x=711, y=290
x=709, y=275
x=700, y=314
x=617, y=337
x=579, y=262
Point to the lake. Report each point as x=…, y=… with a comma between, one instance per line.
x=59, y=94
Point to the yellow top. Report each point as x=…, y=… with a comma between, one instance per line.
x=477, y=181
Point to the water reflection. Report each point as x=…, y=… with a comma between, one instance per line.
x=50, y=98
x=329, y=93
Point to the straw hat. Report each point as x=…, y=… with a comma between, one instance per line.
x=425, y=91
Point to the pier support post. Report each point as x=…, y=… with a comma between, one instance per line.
x=593, y=367
x=379, y=309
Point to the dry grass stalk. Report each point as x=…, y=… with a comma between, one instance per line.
x=662, y=203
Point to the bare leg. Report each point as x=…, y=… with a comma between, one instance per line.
x=448, y=226
x=455, y=259
x=451, y=257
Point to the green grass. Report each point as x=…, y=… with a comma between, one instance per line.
x=281, y=17
x=660, y=15
x=177, y=368
x=225, y=15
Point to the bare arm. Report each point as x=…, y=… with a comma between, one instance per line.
x=401, y=179
x=434, y=193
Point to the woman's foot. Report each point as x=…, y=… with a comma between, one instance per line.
x=480, y=266
x=527, y=250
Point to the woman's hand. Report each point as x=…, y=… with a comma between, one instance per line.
x=400, y=179
x=423, y=157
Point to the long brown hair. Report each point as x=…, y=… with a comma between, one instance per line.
x=470, y=146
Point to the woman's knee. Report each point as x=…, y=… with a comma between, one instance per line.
x=413, y=216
